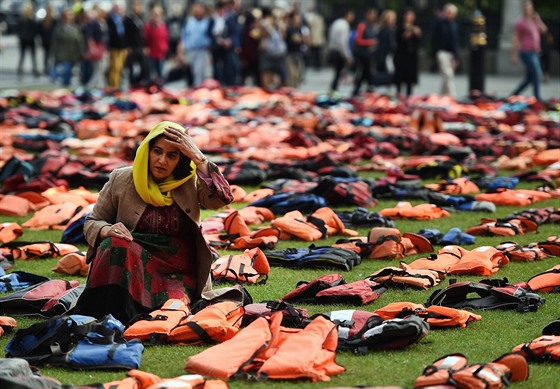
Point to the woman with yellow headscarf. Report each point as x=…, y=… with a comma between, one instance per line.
x=146, y=245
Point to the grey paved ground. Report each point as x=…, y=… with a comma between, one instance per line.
x=500, y=86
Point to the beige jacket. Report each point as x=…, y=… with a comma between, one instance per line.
x=118, y=201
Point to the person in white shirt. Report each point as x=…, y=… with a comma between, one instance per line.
x=339, y=53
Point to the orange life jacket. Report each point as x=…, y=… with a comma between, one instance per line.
x=334, y=225
x=551, y=245
x=454, y=370
x=36, y=200
x=400, y=309
x=402, y=277
x=7, y=324
x=509, y=227
x=251, y=267
x=293, y=225
x=72, y=264
x=547, y=157
x=405, y=210
x=513, y=197
x=481, y=261
x=516, y=252
x=51, y=216
x=388, y=243
x=156, y=326
x=266, y=350
x=542, y=349
x=214, y=323
x=457, y=186
x=10, y=231
x=11, y=205
x=441, y=262
x=256, y=215
x=440, y=316
x=547, y=281
x=43, y=250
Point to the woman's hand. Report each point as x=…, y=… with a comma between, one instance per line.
x=185, y=144
x=117, y=230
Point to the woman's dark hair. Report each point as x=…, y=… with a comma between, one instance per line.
x=183, y=168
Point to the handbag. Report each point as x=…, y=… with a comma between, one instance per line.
x=95, y=50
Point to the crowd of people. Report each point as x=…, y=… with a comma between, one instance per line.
x=267, y=47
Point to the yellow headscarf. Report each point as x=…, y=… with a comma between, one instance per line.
x=150, y=191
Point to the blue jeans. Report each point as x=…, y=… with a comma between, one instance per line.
x=62, y=70
x=533, y=73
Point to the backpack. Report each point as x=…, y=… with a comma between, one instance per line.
x=332, y=289
x=362, y=331
x=488, y=294
x=16, y=373
x=79, y=342
x=74, y=233
x=361, y=217
x=282, y=203
x=47, y=298
x=291, y=316
x=314, y=257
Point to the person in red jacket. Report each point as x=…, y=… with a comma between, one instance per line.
x=157, y=43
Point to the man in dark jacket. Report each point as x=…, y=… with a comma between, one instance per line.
x=223, y=32
x=136, y=61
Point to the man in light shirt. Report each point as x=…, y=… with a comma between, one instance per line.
x=339, y=54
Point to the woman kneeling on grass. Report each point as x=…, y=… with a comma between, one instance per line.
x=146, y=245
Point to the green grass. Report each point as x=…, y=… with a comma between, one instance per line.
x=497, y=333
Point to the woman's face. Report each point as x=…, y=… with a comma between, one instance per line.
x=164, y=157
x=409, y=17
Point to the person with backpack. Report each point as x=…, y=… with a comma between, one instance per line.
x=144, y=233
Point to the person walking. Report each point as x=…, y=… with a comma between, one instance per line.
x=46, y=28
x=195, y=43
x=27, y=32
x=156, y=37
x=365, y=46
x=338, y=48
x=446, y=46
x=316, y=24
x=67, y=46
x=117, y=45
x=223, y=34
x=406, y=56
x=384, y=65
x=527, y=46
x=250, y=42
x=92, y=32
x=296, y=46
x=136, y=61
